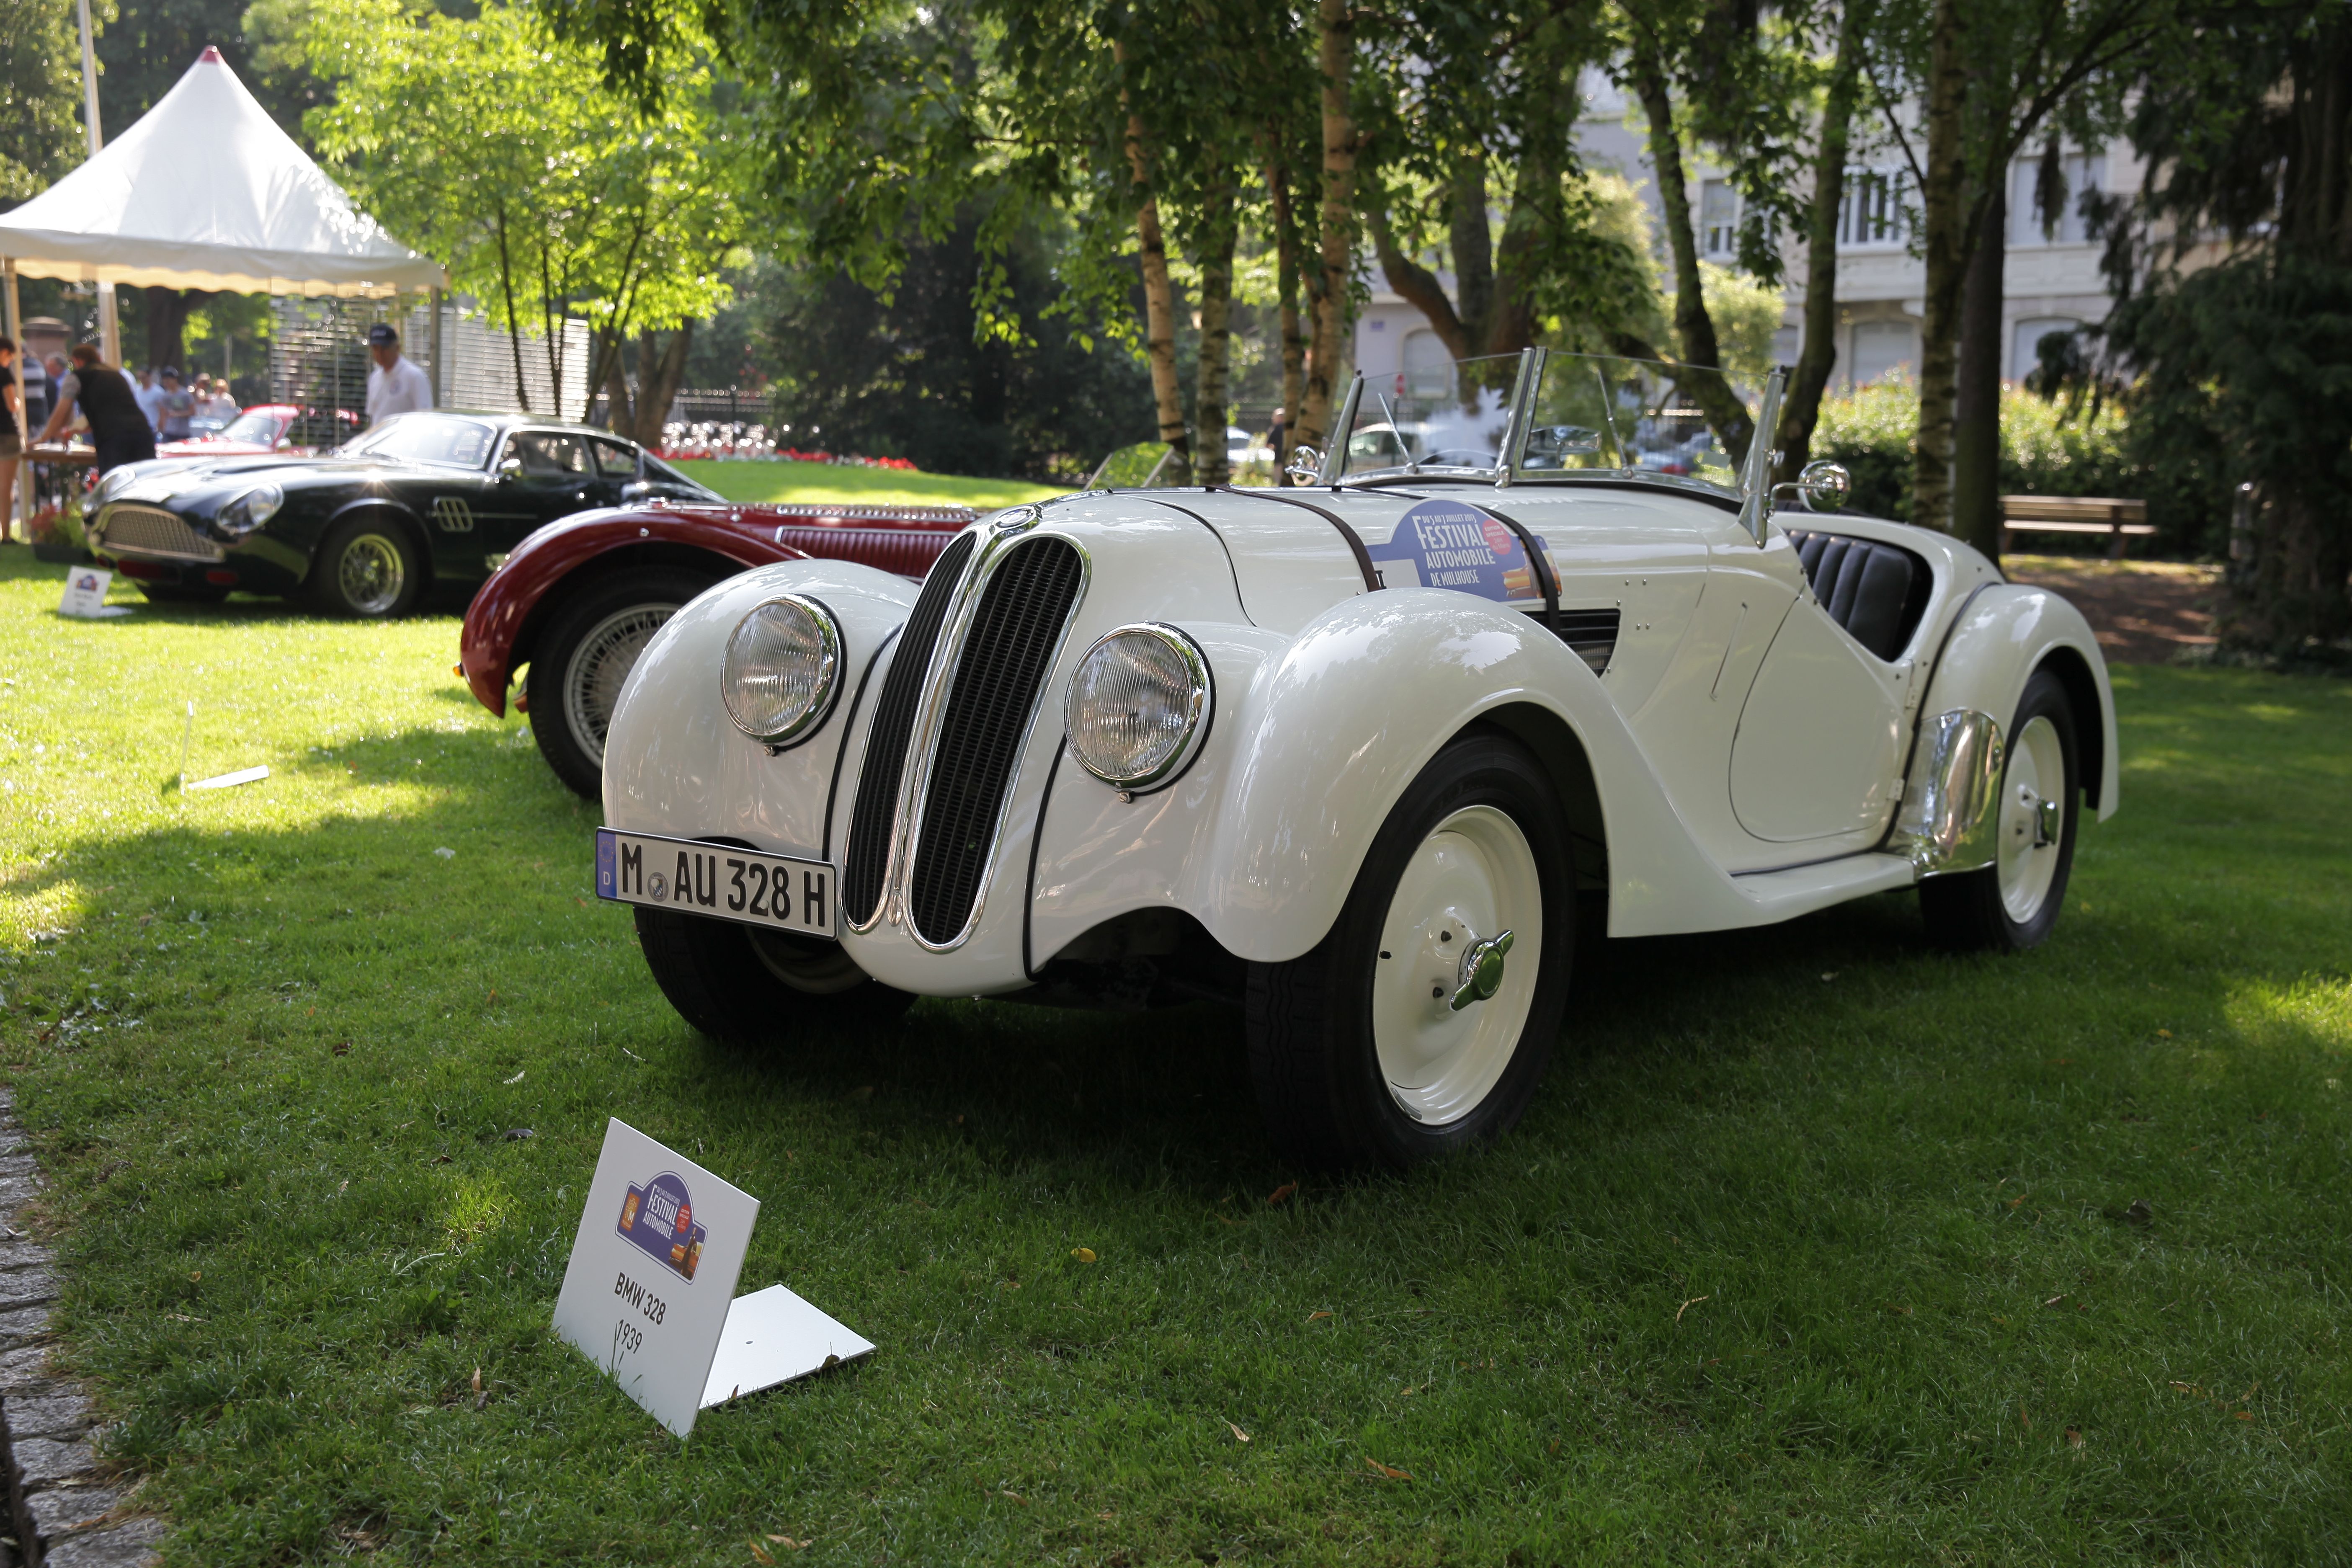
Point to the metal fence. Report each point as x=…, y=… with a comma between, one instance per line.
x=319, y=359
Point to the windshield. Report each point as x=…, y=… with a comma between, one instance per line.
x=1447, y=415
x=1599, y=411
x=261, y=430
x=429, y=438
x=657, y=470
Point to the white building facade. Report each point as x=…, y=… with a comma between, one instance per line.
x=2051, y=282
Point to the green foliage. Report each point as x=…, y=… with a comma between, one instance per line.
x=748, y=479
x=2045, y=448
x=489, y=144
x=1779, y=1268
x=41, y=133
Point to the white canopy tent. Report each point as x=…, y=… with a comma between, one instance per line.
x=206, y=191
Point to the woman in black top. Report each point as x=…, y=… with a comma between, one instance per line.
x=118, y=429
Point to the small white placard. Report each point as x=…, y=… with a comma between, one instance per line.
x=230, y=781
x=648, y=1293
x=85, y=595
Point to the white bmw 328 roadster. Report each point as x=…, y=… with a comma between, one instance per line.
x=1349, y=753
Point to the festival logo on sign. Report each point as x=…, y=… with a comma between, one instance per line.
x=1452, y=544
x=659, y=1219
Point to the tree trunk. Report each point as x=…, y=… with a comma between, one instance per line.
x=1945, y=239
x=1472, y=245
x=514, y=323
x=1421, y=288
x=658, y=379
x=1159, y=298
x=1209, y=408
x=1976, y=414
x=1294, y=340
x=1725, y=415
x=1800, y=409
x=1337, y=57
x=621, y=416
x=167, y=325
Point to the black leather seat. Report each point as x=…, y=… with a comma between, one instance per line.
x=1876, y=592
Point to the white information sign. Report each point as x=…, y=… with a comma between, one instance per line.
x=85, y=595
x=649, y=1292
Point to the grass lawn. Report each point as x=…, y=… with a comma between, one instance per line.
x=744, y=479
x=1817, y=1246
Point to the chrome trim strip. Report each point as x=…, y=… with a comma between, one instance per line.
x=1950, y=822
x=1523, y=416
x=922, y=746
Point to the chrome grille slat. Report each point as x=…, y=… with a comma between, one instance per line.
x=865, y=860
x=1006, y=654
x=139, y=530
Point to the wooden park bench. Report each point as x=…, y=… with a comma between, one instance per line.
x=2121, y=519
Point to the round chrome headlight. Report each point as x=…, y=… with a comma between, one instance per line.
x=783, y=666
x=251, y=509
x=1137, y=704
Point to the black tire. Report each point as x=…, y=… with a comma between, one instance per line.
x=733, y=983
x=183, y=593
x=1969, y=912
x=578, y=664
x=1326, y=1098
x=367, y=569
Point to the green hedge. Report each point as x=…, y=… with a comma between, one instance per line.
x=2042, y=452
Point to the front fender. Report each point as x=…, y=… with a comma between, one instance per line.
x=1334, y=729
x=2001, y=637
x=503, y=607
x=675, y=763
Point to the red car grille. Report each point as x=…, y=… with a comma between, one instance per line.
x=908, y=552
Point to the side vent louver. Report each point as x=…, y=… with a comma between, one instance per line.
x=867, y=859
x=1591, y=632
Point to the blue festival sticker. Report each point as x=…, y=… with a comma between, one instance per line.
x=1453, y=544
x=604, y=863
x=658, y=1218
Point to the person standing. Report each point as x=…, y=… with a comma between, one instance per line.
x=175, y=408
x=118, y=428
x=150, y=396
x=395, y=385
x=33, y=378
x=12, y=436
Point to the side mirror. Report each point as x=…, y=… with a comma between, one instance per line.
x=1306, y=465
x=636, y=489
x=510, y=470
x=1824, y=485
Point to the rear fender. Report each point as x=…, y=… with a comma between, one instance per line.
x=2004, y=634
x=675, y=763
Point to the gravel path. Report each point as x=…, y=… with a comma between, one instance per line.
x=2144, y=611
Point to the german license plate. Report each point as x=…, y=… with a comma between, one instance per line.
x=717, y=880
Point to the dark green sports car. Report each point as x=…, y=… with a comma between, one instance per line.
x=421, y=502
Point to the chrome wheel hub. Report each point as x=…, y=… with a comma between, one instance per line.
x=1447, y=1008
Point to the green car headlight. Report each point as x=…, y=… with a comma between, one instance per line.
x=783, y=668
x=1137, y=705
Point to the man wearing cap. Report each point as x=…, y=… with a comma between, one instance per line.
x=176, y=408
x=395, y=385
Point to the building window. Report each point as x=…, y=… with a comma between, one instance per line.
x=2081, y=172
x=1880, y=347
x=1871, y=215
x=1718, y=220
x=1428, y=366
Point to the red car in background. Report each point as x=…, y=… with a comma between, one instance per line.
x=269, y=428
x=577, y=601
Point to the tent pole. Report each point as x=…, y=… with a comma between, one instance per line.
x=109, y=339
x=20, y=500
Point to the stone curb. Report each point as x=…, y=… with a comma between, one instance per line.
x=59, y=1502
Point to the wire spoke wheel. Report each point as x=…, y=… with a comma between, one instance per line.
x=600, y=666
x=370, y=574
x=1448, y=1008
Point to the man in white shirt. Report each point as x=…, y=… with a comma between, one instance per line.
x=395, y=385
x=150, y=396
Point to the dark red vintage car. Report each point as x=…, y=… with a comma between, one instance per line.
x=578, y=600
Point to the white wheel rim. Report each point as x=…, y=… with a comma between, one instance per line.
x=2029, y=850
x=370, y=574
x=600, y=668
x=1471, y=880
